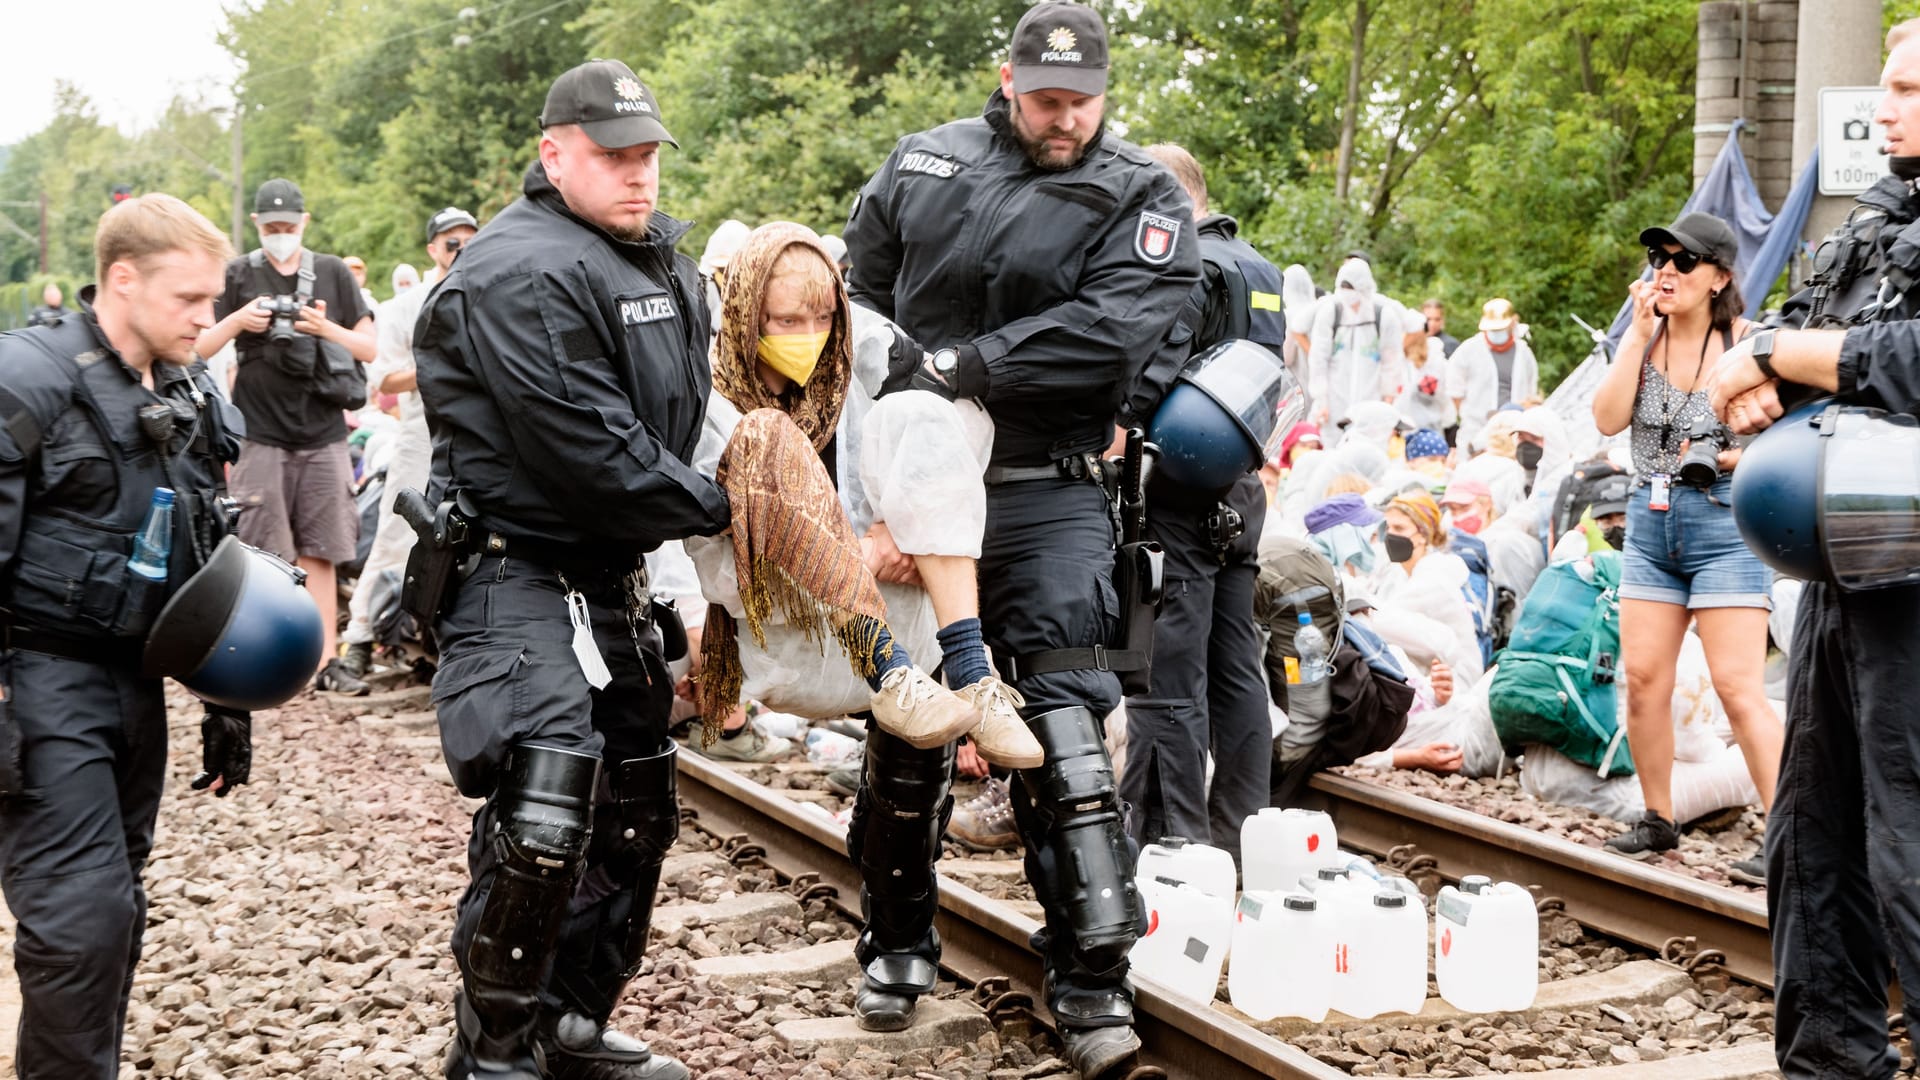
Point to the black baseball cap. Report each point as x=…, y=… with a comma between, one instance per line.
x=279, y=200
x=1060, y=46
x=1699, y=233
x=610, y=104
x=1611, y=497
x=451, y=217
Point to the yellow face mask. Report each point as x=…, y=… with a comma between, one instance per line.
x=793, y=355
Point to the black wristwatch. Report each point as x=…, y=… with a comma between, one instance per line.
x=945, y=362
x=1763, y=353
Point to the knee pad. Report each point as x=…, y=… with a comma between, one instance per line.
x=647, y=822
x=542, y=823
x=902, y=809
x=1090, y=857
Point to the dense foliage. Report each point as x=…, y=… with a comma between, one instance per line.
x=1468, y=152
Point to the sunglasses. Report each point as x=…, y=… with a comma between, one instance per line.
x=1683, y=261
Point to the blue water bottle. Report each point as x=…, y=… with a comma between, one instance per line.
x=155, y=543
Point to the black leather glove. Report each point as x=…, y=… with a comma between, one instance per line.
x=226, y=749
x=904, y=357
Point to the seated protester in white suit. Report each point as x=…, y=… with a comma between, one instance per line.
x=826, y=632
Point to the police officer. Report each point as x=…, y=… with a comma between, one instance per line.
x=563, y=366
x=1073, y=255
x=98, y=408
x=1208, y=692
x=1843, y=839
x=51, y=309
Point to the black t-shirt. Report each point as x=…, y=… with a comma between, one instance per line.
x=273, y=385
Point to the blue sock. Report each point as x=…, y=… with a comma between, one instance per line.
x=964, y=652
x=887, y=655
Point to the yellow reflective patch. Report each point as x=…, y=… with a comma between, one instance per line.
x=1264, y=301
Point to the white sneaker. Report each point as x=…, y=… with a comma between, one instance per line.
x=913, y=708
x=1002, y=737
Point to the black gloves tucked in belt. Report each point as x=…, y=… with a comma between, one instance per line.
x=911, y=367
x=226, y=749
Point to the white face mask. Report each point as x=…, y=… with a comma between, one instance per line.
x=1499, y=337
x=281, y=246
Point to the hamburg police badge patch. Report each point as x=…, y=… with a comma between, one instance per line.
x=1153, y=238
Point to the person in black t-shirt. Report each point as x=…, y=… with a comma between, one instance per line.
x=294, y=480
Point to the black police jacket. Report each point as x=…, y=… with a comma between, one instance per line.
x=77, y=473
x=1237, y=297
x=565, y=378
x=1880, y=356
x=1063, y=282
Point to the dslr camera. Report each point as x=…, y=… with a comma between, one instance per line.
x=1708, y=438
x=284, y=309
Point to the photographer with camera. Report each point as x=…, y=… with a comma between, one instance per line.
x=303, y=334
x=1684, y=560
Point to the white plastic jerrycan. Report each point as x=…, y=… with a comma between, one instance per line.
x=1380, y=956
x=1203, y=866
x=1279, y=847
x=1188, y=934
x=1486, y=946
x=1282, y=957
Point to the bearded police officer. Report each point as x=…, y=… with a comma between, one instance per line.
x=1843, y=839
x=1035, y=260
x=563, y=367
x=1208, y=693
x=98, y=408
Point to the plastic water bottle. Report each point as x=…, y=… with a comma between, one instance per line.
x=1280, y=846
x=1203, y=866
x=1316, y=660
x=155, y=542
x=1282, y=957
x=832, y=749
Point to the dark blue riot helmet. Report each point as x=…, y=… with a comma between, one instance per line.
x=1831, y=493
x=1225, y=414
x=243, y=632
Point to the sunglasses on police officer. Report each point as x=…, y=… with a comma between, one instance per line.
x=1683, y=261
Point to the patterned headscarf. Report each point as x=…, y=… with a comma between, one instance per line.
x=815, y=407
x=1425, y=513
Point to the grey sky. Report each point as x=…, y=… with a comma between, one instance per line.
x=130, y=57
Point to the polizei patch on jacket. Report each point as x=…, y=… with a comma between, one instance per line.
x=1153, y=239
x=645, y=309
x=944, y=168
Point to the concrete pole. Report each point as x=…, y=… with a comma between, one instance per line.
x=1840, y=45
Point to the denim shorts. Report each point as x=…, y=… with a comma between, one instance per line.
x=1691, y=554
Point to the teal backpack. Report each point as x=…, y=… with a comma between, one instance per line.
x=1558, y=678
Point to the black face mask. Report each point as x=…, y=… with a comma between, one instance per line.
x=1399, y=548
x=1906, y=168
x=1615, y=536
x=1528, y=455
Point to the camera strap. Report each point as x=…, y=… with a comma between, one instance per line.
x=303, y=277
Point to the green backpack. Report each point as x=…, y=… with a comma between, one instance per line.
x=1558, y=678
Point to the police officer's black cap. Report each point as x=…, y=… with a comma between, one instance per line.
x=610, y=104
x=279, y=200
x=451, y=218
x=1060, y=46
x=1699, y=233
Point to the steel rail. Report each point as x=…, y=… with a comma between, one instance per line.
x=985, y=939
x=1611, y=894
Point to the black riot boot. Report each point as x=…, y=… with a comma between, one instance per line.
x=899, y=814
x=539, y=822
x=604, y=943
x=1099, y=1053
x=577, y=1048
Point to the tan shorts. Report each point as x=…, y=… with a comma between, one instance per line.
x=297, y=503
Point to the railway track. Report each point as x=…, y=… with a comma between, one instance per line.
x=986, y=941
x=1684, y=921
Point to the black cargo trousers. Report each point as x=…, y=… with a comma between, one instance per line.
x=1209, y=692
x=508, y=677
x=1843, y=840
x=1046, y=582
x=72, y=848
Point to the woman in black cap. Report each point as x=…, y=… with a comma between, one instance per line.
x=1684, y=559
